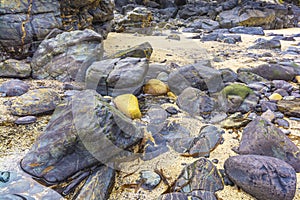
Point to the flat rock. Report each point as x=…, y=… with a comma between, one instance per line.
x=143, y=50
x=35, y=102
x=25, y=120
x=263, y=177
x=275, y=72
x=289, y=108
x=247, y=30
x=14, y=87
x=14, y=69
x=266, y=44
x=261, y=137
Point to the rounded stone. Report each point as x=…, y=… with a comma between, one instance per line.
x=275, y=97
x=128, y=104
x=150, y=179
x=155, y=87
x=14, y=87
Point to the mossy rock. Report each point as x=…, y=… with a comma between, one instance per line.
x=237, y=89
x=128, y=104
x=143, y=50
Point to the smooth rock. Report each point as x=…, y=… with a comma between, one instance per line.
x=128, y=104
x=268, y=115
x=35, y=102
x=263, y=177
x=25, y=120
x=289, y=108
x=261, y=137
x=275, y=72
x=14, y=87
x=247, y=30
x=143, y=50
x=266, y=44
x=151, y=178
x=155, y=87
x=282, y=122
x=14, y=69
x=275, y=97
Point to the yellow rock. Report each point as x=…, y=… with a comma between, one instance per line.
x=172, y=95
x=156, y=87
x=298, y=79
x=128, y=104
x=275, y=97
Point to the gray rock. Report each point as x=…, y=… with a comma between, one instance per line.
x=206, y=24
x=249, y=77
x=114, y=77
x=275, y=72
x=35, y=102
x=14, y=69
x=261, y=137
x=290, y=108
x=247, y=30
x=281, y=84
x=14, y=87
x=25, y=120
x=151, y=179
x=173, y=196
x=228, y=75
x=199, y=75
x=66, y=55
x=263, y=177
x=266, y=44
x=282, y=122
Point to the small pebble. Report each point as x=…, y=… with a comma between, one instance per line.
x=297, y=79
x=289, y=98
x=151, y=179
x=282, y=122
x=26, y=120
x=172, y=110
x=275, y=97
x=216, y=161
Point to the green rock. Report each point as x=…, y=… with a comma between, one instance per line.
x=143, y=50
x=237, y=89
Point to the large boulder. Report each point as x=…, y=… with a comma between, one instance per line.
x=62, y=57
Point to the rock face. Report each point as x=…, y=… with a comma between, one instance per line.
x=82, y=132
x=27, y=23
x=62, y=57
x=261, y=137
x=34, y=102
x=263, y=177
x=14, y=69
x=114, y=77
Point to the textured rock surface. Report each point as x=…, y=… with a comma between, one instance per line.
x=14, y=87
x=128, y=104
x=263, y=177
x=14, y=69
x=275, y=72
x=261, y=137
x=143, y=50
x=290, y=108
x=114, y=77
x=62, y=57
x=27, y=23
x=34, y=102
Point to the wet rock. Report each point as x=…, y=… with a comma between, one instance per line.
x=14, y=69
x=196, y=102
x=289, y=108
x=98, y=185
x=155, y=87
x=14, y=87
x=266, y=44
x=41, y=19
x=35, y=102
x=26, y=120
x=128, y=104
x=261, y=137
x=19, y=186
x=275, y=72
x=247, y=30
x=143, y=50
x=66, y=55
x=200, y=176
x=261, y=176
x=151, y=179
x=199, y=75
x=114, y=77
x=81, y=133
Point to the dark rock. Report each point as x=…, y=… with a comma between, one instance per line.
x=196, y=102
x=172, y=110
x=82, y=132
x=236, y=120
x=261, y=137
x=275, y=72
x=143, y=50
x=261, y=176
x=281, y=84
x=14, y=87
x=247, y=30
x=35, y=102
x=14, y=69
x=249, y=103
x=26, y=120
x=151, y=179
x=173, y=196
x=266, y=44
x=98, y=185
x=199, y=75
x=267, y=105
x=204, y=24
x=117, y=76
x=249, y=77
x=282, y=122
x=201, y=175
x=67, y=55
x=289, y=108
x=282, y=92
x=228, y=75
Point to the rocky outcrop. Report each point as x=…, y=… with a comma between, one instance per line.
x=26, y=23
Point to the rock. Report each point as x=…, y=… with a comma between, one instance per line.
x=98, y=185
x=173, y=37
x=275, y=97
x=14, y=69
x=199, y=75
x=268, y=115
x=14, y=87
x=200, y=176
x=289, y=108
x=249, y=77
x=247, y=30
x=115, y=77
x=282, y=123
x=81, y=133
x=261, y=176
x=275, y=72
x=266, y=44
x=26, y=24
x=25, y=120
x=143, y=50
x=196, y=102
x=203, y=24
x=281, y=84
x=236, y=120
x=249, y=103
x=173, y=196
x=228, y=75
x=155, y=87
x=128, y=104
x=283, y=93
x=67, y=55
x=35, y=102
x=237, y=89
x=268, y=105
x=261, y=137
x=151, y=179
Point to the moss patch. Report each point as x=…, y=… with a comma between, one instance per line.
x=237, y=89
